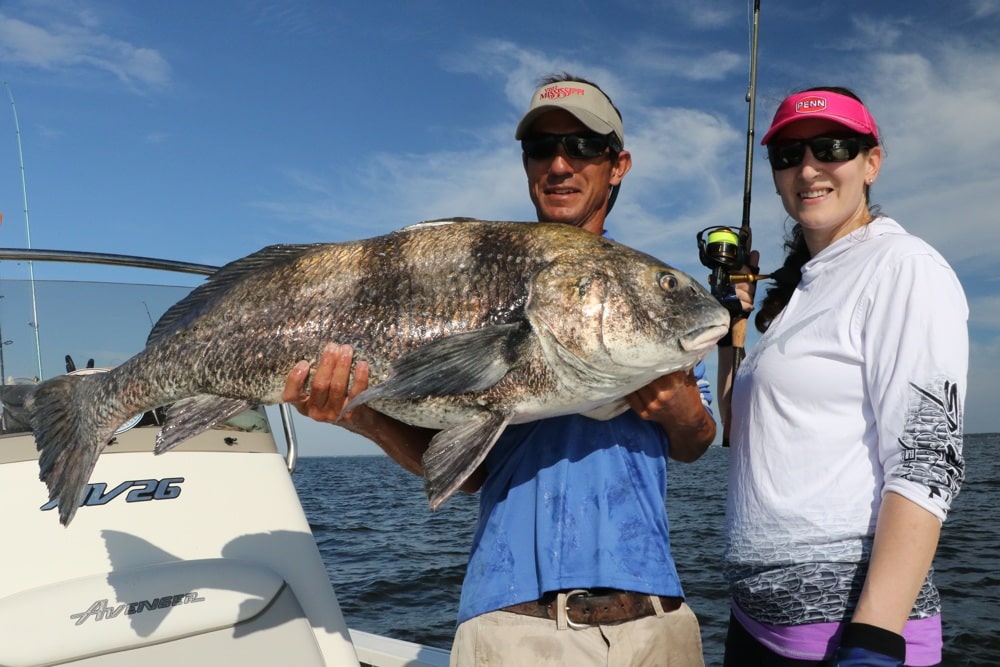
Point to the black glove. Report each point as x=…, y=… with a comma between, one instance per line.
x=865, y=645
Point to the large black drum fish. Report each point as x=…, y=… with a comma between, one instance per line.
x=467, y=326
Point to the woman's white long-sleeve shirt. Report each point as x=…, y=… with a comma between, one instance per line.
x=856, y=389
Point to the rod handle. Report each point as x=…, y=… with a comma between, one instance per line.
x=738, y=331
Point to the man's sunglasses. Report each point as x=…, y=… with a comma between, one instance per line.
x=544, y=146
x=825, y=149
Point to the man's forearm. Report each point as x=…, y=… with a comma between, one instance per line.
x=403, y=443
x=407, y=444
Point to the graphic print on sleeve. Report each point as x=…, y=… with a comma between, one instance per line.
x=932, y=457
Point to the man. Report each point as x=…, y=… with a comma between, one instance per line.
x=571, y=562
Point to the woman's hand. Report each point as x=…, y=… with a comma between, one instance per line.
x=745, y=291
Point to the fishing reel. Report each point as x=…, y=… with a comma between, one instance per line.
x=724, y=251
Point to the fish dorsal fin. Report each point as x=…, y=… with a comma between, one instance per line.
x=220, y=282
x=438, y=222
x=457, y=364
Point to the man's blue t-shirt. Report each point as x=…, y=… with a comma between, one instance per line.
x=572, y=502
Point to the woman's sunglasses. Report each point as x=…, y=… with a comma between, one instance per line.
x=825, y=149
x=544, y=146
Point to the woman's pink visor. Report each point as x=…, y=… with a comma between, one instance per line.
x=841, y=109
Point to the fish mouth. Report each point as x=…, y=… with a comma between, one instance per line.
x=703, y=338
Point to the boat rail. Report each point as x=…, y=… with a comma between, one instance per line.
x=108, y=259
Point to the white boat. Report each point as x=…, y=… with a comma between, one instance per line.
x=201, y=556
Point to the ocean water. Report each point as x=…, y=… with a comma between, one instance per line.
x=397, y=567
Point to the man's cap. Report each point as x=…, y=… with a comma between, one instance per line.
x=587, y=103
x=841, y=109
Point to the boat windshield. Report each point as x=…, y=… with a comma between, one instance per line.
x=51, y=327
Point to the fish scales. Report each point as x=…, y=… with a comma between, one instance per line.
x=464, y=290
x=467, y=326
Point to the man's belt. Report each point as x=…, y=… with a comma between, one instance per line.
x=596, y=606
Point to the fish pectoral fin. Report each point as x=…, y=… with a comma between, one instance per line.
x=607, y=411
x=190, y=416
x=456, y=452
x=461, y=363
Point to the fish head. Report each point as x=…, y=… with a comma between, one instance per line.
x=660, y=318
x=623, y=316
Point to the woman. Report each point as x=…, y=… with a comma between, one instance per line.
x=847, y=415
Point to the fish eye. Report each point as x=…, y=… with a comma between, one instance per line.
x=667, y=280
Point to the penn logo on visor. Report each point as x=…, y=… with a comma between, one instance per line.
x=810, y=105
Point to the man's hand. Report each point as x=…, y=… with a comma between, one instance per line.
x=331, y=389
x=674, y=402
x=658, y=399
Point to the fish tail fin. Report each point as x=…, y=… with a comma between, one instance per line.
x=69, y=434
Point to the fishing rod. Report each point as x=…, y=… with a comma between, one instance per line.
x=27, y=227
x=726, y=251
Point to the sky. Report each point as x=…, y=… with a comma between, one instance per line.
x=203, y=131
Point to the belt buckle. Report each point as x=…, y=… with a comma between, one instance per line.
x=569, y=622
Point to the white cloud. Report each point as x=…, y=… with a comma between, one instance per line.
x=984, y=8
x=939, y=116
x=388, y=191
x=659, y=58
x=703, y=14
x=73, y=42
x=867, y=31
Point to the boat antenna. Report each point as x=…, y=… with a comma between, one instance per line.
x=148, y=315
x=27, y=228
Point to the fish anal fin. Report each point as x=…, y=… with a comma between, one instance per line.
x=455, y=453
x=189, y=417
